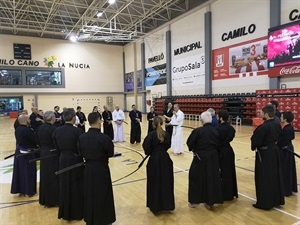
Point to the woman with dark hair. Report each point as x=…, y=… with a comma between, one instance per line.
x=286, y=155
x=226, y=156
x=82, y=118
x=160, y=178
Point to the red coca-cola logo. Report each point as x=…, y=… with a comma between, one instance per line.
x=291, y=70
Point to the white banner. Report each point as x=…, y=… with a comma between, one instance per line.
x=188, y=71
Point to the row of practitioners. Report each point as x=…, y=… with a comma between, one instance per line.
x=205, y=142
x=212, y=177
x=86, y=192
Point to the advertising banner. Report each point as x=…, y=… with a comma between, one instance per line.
x=241, y=60
x=156, y=75
x=188, y=71
x=129, y=81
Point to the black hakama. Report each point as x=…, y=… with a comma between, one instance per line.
x=169, y=128
x=204, y=177
x=24, y=173
x=99, y=207
x=268, y=174
x=82, y=119
x=107, y=124
x=288, y=160
x=49, y=182
x=227, y=161
x=160, y=177
x=135, y=131
x=71, y=183
x=150, y=117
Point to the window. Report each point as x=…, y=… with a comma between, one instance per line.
x=8, y=104
x=43, y=77
x=10, y=77
x=31, y=77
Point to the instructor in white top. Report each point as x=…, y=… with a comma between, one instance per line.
x=118, y=118
x=177, y=138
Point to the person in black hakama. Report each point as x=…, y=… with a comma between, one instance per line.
x=204, y=177
x=107, y=123
x=274, y=103
x=35, y=119
x=150, y=117
x=268, y=176
x=58, y=117
x=227, y=157
x=287, y=158
x=135, y=131
x=160, y=177
x=21, y=112
x=82, y=118
x=70, y=183
x=24, y=173
x=96, y=148
x=49, y=182
x=168, y=113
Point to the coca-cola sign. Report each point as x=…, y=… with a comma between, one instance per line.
x=292, y=70
x=284, y=71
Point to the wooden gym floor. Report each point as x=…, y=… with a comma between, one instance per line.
x=130, y=193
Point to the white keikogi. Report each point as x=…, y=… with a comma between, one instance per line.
x=118, y=118
x=177, y=138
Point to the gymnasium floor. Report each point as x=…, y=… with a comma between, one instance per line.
x=129, y=193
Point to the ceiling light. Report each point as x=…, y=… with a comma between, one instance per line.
x=99, y=14
x=73, y=38
x=111, y=1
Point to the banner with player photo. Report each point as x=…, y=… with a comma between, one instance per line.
x=156, y=75
x=129, y=81
x=241, y=60
x=188, y=71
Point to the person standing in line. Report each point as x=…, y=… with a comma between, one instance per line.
x=135, y=131
x=268, y=174
x=214, y=122
x=97, y=148
x=35, y=119
x=49, y=182
x=118, y=119
x=82, y=118
x=168, y=113
x=287, y=158
x=177, y=138
x=70, y=183
x=160, y=177
x=150, y=118
x=274, y=103
x=227, y=157
x=24, y=173
x=21, y=112
x=107, y=123
x=204, y=176
x=58, y=117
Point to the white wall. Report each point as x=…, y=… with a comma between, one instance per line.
x=286, y=7
x=105, y=62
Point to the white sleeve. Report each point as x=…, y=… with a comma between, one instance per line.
x=180, y=117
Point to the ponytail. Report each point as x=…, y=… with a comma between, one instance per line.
x=157, y=123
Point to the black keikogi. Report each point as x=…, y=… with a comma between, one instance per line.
x=135, y=131
x=96, y=148
x=107, y=124
x=160, y=177
x=268, y=174
x=227, y=161
x=70, y=183
x=49, y=182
